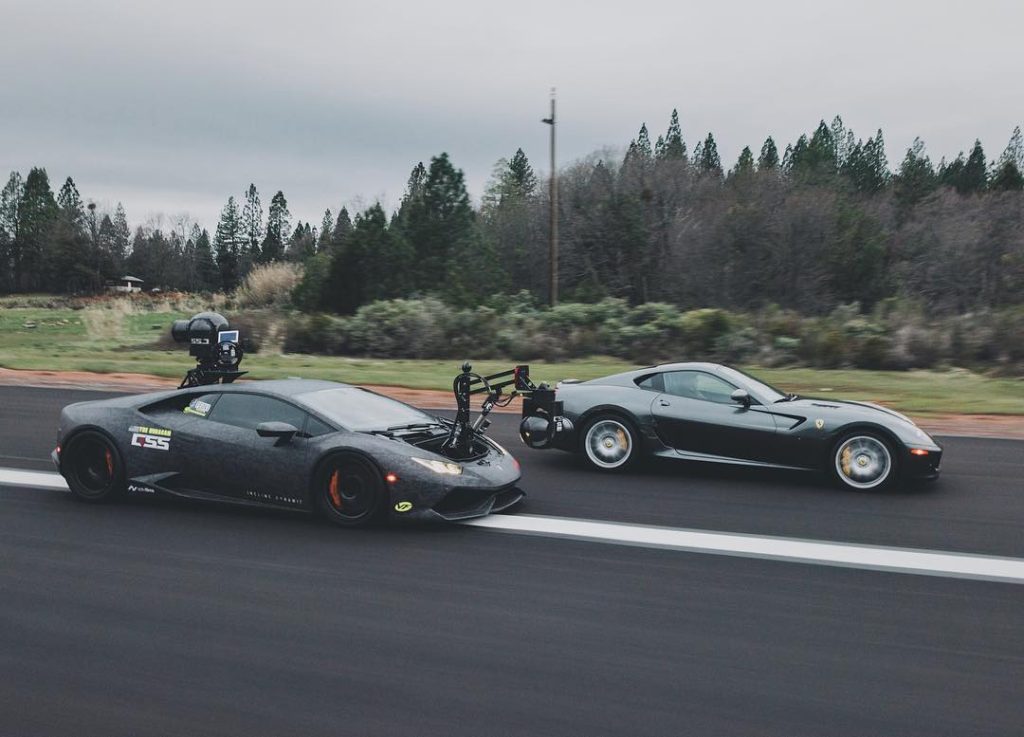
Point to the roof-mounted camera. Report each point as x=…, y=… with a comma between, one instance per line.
x=213, y=344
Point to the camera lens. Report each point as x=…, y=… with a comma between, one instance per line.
x=179, y=331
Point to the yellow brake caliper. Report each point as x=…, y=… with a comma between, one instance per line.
x=845, y=459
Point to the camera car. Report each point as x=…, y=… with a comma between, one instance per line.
x=345, y=452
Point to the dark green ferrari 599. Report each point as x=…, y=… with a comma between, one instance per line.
x=710, y=412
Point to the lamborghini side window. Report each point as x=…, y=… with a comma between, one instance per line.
x=200, y=406
x=653, y=383
x=698, y=385
x=249, y=410
x=315, y=427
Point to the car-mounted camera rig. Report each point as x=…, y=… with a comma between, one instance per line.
x=213, y=344
x=468, y=383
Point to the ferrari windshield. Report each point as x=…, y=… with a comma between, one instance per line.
x=766, y=391
x=361, y=410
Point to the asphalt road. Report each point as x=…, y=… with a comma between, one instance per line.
x=167, y=618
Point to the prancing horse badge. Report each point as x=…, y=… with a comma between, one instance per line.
x=819, y=424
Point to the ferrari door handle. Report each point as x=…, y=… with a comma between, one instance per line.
x=663, y=403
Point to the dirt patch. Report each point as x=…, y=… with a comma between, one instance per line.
x=990, y=426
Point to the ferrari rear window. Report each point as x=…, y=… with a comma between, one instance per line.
x=361, y=410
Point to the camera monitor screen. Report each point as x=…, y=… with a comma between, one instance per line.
x=230, y=336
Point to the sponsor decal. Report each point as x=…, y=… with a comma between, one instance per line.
x=140, y=489
x=153, y=438
x=198, y=407
x=819, y=424
x=403, y=506
x=262, y=496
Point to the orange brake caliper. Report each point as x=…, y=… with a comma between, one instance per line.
x=332, y=489
x=110, y=463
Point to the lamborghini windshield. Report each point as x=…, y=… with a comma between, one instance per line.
x=362, y=411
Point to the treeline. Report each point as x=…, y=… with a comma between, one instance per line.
x=824, y=221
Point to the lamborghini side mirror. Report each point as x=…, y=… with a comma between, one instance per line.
x=740, y=396
x=280, y=430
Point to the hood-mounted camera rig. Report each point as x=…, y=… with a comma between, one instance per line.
x=213, y=344
x=468, y=383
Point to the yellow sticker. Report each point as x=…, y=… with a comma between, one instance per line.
x=403, y=506
x=819, y=424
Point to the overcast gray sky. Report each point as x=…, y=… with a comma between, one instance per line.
x=173, y=106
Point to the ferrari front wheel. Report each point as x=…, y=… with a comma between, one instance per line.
x=93, y=468
x=349, y=490
x=609, y=443
x=863, y=461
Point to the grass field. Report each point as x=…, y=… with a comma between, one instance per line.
x=111, y=340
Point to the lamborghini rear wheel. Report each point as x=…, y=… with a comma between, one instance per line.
x=349, y=490
x=92, y=466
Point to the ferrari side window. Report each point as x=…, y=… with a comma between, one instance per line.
x=713, y=389
x=653, y=383
x=249, y=410
x=698, y=385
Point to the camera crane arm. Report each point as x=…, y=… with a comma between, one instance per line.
x=469, y=383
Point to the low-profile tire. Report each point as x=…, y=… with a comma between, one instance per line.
x=349, y=490
x=92, y=466
x=863, y=460
x=609, y=443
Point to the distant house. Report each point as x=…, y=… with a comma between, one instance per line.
x=127, y=285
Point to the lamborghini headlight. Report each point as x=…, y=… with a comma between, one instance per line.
x=442, y=467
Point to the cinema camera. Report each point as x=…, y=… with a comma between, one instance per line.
x=213, y=344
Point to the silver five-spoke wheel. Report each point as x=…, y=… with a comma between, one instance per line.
x=608, y=444
x=863, y=462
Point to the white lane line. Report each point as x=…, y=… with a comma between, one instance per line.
x=794, y=550
x=846, y=555
x=32, y=479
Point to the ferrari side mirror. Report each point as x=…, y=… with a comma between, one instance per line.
x=740, y=396
x=280, y=430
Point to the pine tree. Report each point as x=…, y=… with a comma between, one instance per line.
x=342, y=227
x=10, y=258
x=206, y=270
x=121, y=237
x=744, y=165
x=435, y=215
x=643, y=143
x=37, y=213
x=520, y=174
x=708, y=160
x=673, y=147
x=326, y=229
x=1007, y=178
x=1008, y=171
x=228, y=242
x=70, y=203
x=974, y=176
x=916, y=177
x=769, y=158
x=278, y=229
x=252, y=228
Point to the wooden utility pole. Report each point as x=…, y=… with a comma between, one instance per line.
x=553, y=254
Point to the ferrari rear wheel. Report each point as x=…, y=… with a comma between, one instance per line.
x=92, y=466
x=349, y=490
x=609, y=443
x=864, y=461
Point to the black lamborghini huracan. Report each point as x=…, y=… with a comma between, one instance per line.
x=351, y=454
x=711, y=412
